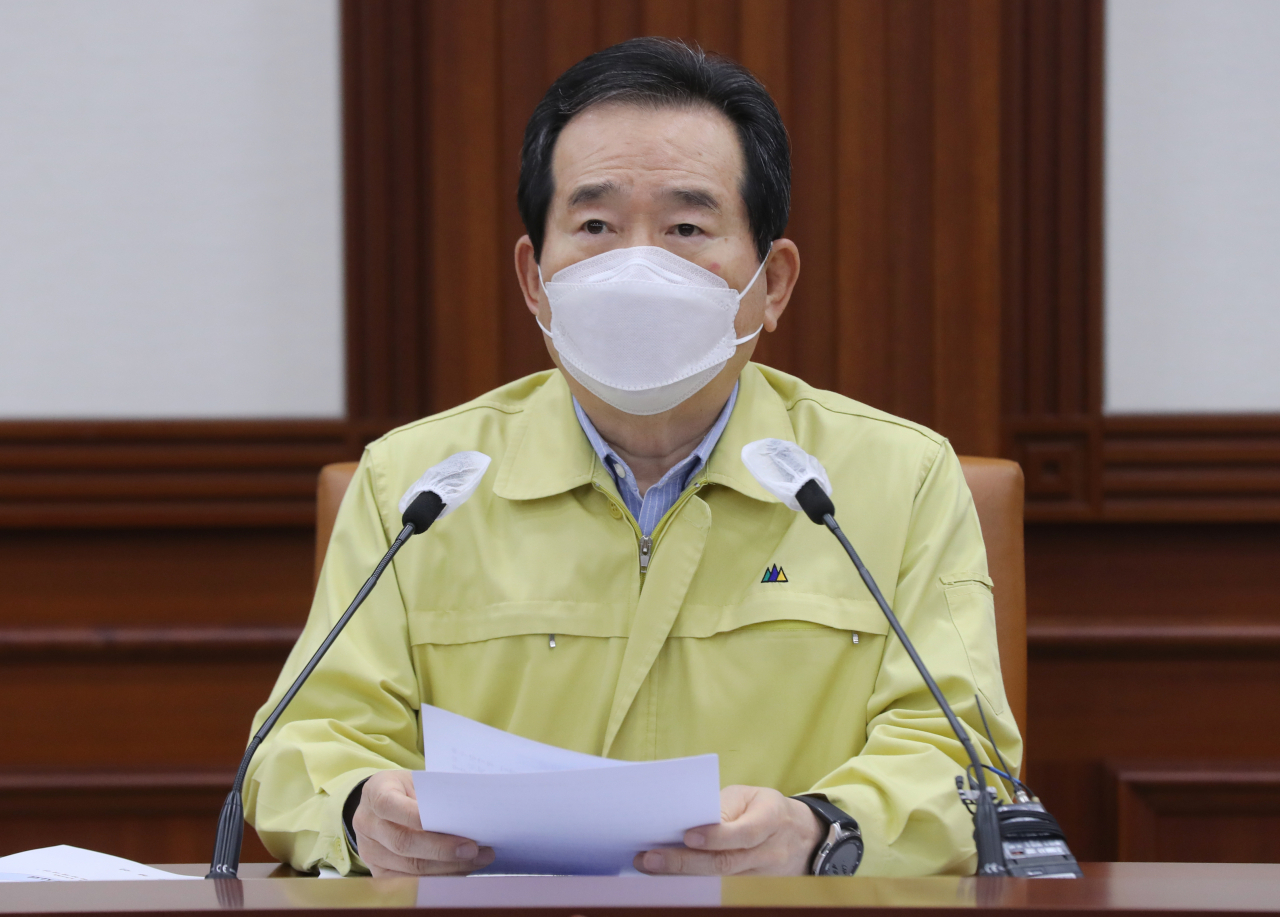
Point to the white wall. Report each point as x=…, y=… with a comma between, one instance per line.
x=1192, y=296
x=170, y=209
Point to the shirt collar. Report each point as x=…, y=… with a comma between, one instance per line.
x=548, y=453
x=685, y=467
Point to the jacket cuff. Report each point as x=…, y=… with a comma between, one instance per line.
x=349, y=813
x=340, y=851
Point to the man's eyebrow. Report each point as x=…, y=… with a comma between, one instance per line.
x=590, y=194
x=693, y=197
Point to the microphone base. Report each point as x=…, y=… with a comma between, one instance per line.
x=986, y=837
x=226, y=848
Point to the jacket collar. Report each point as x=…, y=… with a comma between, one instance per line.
x=551, y=455
x=759, y=414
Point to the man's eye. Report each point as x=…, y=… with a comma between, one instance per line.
x=595, y=227
x=686, y=229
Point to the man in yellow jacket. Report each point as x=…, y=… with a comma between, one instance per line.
x=620, y=584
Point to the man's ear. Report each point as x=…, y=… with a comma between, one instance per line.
x=781, y=274
x=527, y=273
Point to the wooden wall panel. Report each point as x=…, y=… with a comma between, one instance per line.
x=1149, y=641
x=165, y=474
x=1190, y=812
x=967, y=234
x=130, y=814
x=861, y=329
x=524, y=47
x=148, y=578
x=118, y=713
x=386, y=107
x=1210, y=703
x=129, y=745
x=466, y=254
x=1153, y=574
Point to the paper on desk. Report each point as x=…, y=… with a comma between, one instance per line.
x=74, y=864
x=547, y=810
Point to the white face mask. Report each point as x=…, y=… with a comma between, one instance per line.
x=643, y=329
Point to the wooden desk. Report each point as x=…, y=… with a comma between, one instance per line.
x=1151, y=888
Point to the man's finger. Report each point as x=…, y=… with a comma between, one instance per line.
x=422, y=845
x=388, y=800
x=751, y=830
x=382, y=861
x=674, y=861
x=749, y=819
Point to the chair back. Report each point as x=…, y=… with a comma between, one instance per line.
x=332, y=486
x=996, y=485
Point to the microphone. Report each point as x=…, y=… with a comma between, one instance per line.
x=441, y=490
x=1033, y=845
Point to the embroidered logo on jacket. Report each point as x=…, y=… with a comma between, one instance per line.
x=775, y=574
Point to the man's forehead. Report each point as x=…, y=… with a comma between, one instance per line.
x=688, y=154
x=679, y=193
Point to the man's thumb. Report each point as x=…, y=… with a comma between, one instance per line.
x=734, y=801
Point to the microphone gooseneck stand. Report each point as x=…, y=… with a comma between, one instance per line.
x=226, y=848
x=986, y=826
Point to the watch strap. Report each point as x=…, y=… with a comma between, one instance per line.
x=349, y=813
x=828, y=811
x=842, y=829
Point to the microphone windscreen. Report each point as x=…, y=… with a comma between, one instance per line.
x=782, y=468
x=815, y=501
x=423, y=510
x=453, y=480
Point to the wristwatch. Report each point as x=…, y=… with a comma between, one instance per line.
x=349, y=813
x=840, y=852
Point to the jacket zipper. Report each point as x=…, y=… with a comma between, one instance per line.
x=647, y=541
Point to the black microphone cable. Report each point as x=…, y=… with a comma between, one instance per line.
x=419, y=515
x=986, y=826
x=1034, y=844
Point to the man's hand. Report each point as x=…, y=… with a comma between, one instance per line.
x=390, y=836
x=761, y=832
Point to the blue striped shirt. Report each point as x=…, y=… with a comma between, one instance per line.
x=649, y=509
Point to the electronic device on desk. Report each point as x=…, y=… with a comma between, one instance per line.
x=1012, y=839
x=1033, y=843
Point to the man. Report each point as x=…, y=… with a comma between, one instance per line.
x=611, y=586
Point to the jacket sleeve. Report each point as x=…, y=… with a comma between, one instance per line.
x=356, y=714
x=901, y=786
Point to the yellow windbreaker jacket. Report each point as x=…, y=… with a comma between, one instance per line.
x=791, y=681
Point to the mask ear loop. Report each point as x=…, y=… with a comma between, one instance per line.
x=737, y=342
x=542, y=283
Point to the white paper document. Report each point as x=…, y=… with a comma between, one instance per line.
x=74, y=864
x=547, y=810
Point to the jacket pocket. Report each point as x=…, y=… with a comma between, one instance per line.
x=973, y=612
x=445, y=627
x=772, y=609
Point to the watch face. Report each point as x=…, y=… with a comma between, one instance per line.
x=844, y=859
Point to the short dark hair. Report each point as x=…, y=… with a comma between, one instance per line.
x=660, y=72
